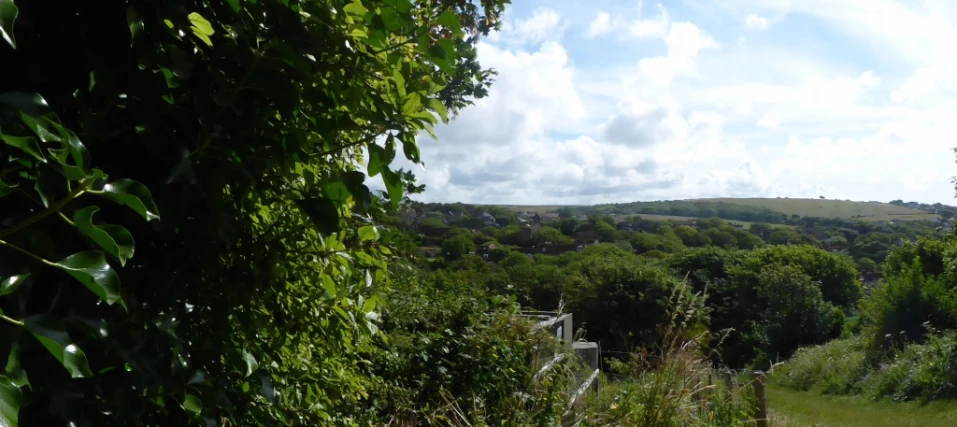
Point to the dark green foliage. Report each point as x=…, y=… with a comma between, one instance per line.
x=836, y=273
x=458, y=243
x=231, y=144
x=442, y=337
x=794, y=313
x=908, y=300
x=691, y=237
x=619, y=300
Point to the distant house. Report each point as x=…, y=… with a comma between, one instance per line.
x=528, y=251
x=488, y=219
x=625, y=226
x=550, y=216
x=452, y=217
x=486, y=249
x=429, y=251
x=526, y=215
x=586, y=237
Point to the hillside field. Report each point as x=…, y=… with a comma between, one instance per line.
x=866, y=211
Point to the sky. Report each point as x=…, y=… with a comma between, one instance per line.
x=617, y=101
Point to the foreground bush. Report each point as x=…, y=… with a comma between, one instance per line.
x=837, y=367
x=452, y=353
x=669, y=383
x=922, y=372
x=244, y=137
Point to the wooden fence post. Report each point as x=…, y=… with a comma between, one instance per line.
x=729, y=385
x=760, y=399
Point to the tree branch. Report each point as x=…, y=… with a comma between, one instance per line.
x=82, y=188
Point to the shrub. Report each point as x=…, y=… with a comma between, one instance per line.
x=447, y=343
x=621, y=300
x=921, y=371
x=833, y=368
x=666, y=383
x=898, y=310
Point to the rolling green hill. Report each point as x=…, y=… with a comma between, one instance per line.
x=777, y=210
x=867, y=211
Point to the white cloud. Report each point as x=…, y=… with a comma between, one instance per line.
x=918, y=85
x=604, y=24
x=769, y=121
x=684, y=41
x=756, y=22
x=543, y=25
x=669, y=110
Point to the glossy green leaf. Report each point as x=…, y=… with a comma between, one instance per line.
x=91, y=269
x=13, y=370
x=10, y=396
x=356, y=9
x=8, y=16
x=133, y=194
x=135, y=23
x=393, y=185
x=201, y=28
x=376, y=160
x=449, y=48
x=71, y=172
x=50, y=185
x=78, y=152
x=322, y=212
x=27, y=144
x=251, y=364
x=368, y=232
x=10, y=284
x=113, y=238
x=437, y=106
x=412, y=104
x=369, y=304
x=192, y=404
x=411, y=149
x=329, y=285
x=448, y=20
x=40, y=126
x=390, y=18
x=52, y=334
x=399, y=82
x=7, y=189
x=201, y=24
x=235, y=5
x=27, y=102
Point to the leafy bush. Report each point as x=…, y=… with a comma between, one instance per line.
x=923, y=372
x=920, y=372
x=666, y=383
x=620, y=300
x=900, y=308
x=793, y=312
x=837, y=367
x=835, y=273
x=448, y=342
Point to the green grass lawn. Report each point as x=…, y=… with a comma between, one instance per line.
x=799, y=409
x=866, y=211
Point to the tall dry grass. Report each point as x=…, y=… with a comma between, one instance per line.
x=671, y=383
